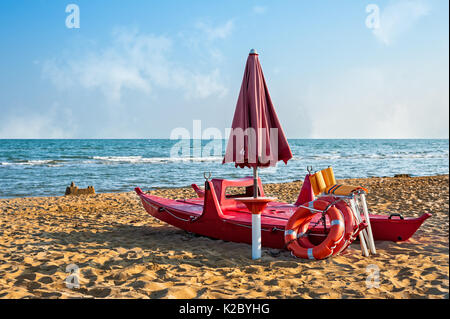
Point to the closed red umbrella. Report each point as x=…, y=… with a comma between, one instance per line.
x=256, y=139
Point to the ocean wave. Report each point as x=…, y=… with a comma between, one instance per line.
x=153, y=160
x=33, y=163
x=98, y=160
x=370, y=156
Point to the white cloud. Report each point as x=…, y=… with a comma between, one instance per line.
x=54, y=123
x=133, y=61
x=204, y=85
x=397, y=18
x=216, y=32
x=259, y=9
x=30, y=127
x=378, y=103
x=204, y=39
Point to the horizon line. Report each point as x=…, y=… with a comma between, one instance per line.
x=289, y=138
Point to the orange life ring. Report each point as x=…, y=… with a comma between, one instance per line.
x=351, y=225
x=297, y=226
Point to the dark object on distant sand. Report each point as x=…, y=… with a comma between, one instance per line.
x=402, y=175
x=74, y=190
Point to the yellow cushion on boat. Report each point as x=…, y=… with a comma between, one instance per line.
x=328, y=176
x=312, y=180
x=317, y=183
x=344, y=190
x=324, y=182
x=320, y=182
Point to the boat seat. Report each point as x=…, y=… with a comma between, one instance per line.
x=324, y=182
x=343, y=190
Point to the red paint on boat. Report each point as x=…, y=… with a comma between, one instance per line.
x=395, y=228
x=219, y=215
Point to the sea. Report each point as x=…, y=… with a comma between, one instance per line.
x=35, y=167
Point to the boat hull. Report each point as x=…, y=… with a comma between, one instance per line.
x=204, y=223
x=386, y=228
x=396, y=229
x=204, y=216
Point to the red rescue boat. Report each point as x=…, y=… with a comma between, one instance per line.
x=216, y=213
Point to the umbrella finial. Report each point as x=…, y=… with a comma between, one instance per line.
x=253, y=51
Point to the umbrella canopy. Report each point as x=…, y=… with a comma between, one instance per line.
x=256, y=138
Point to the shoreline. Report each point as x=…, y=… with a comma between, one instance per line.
x=122, y=252
x=156, y=189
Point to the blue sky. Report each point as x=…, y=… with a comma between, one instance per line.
x=139, y=69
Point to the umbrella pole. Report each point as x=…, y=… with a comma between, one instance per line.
x=255, y=182
x=256, y=221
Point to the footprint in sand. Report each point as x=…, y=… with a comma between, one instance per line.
x=159, y=293
x=139, y=284
x=32, y=285
x=275, y=293
x=46, y=280
x=51, y=295
x=26, y=276
x=272, y=282
x=251, y=270
x=161, y=273
x=201, y=292
x=99, y=292
x=286, y=264
x=45, y=269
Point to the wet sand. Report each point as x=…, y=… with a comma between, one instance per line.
x=122, y=252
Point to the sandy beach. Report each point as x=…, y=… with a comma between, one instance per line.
x=122, y=252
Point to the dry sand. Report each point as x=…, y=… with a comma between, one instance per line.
x=122, y=252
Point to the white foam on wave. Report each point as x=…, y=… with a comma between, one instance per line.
x=154, y=160
x=32, y=163
x=371, y=156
